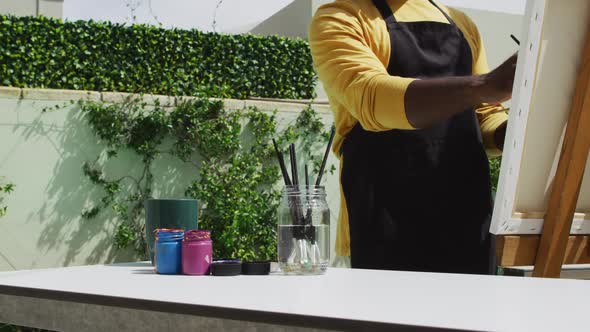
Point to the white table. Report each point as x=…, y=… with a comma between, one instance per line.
x=574, y=271
x=130, y=297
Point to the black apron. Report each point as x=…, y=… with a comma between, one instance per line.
x=420, y=200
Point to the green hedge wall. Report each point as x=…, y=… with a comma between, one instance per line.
x=39, y=52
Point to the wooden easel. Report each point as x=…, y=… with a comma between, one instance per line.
x=555, y=246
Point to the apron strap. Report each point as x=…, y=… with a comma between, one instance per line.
x=443, y=12
x=389, y=18
x=385, y=11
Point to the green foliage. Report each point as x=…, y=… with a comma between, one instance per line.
x=204, y=125
x=235, y=168
x=5, y=188
x=495, y=172
x=40, y=52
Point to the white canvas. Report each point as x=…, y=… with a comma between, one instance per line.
x=550, y=55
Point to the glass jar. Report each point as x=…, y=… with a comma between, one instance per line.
x=197, y=252
x=304, y=230
x=168, y=251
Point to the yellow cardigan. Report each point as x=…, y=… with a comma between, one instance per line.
x=350, y=47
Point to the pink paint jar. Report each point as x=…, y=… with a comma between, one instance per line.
x=197, y=252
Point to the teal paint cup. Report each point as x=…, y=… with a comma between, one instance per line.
x=168, y=213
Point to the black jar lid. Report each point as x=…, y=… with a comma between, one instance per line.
x=226, y=267
x=256, y=268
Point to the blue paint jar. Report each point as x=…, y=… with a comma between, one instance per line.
x=168, y=251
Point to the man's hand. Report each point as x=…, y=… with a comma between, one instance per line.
x=431, y=101
x=498, y=83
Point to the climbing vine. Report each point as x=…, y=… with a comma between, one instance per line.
x=495, y=172
x=5, y=188
x=235, y=177
x=214, y=23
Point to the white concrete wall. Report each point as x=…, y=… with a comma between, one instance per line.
x=233, y=16
x=501, y=6
x=292, y=21
x=496, y=20
x=238, y=16
x=43, y=154
x=18, y=7
x=495, y=29
x=49, y=8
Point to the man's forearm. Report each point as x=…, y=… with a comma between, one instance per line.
x=430, y=101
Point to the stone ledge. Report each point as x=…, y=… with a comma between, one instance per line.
x=234, y=104
x=10, y=92
x=322, y=108
x=287, y=107
x=116, y=97
x=55, y=94
x=294, y=101
x=149, y=99
x=164, y=101
x=268, y=105
x=229, y=104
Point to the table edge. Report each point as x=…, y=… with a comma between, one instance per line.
x=284, y=319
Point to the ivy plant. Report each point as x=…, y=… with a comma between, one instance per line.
x=236, y=172
x=5, y=188
x=40, y=52
x=495, y=172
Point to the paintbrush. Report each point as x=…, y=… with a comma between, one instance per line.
x=293, y=202
x=326, y=154
x=515, y=39
x=308, y=214
x=299, y=220
x=282, y=164
x=293, y=164
x=302, y=249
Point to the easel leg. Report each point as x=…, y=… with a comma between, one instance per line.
x=568, y=179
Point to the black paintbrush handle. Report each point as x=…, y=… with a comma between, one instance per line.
x=326, y=154
x=309, y=229
x=294, y=164
x=301, y=219
x=308, y=214
x=282, y=164
x=292, y=201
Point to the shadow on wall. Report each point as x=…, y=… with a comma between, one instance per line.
x=63, y=229
x=91, y=241
x=60, y=142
